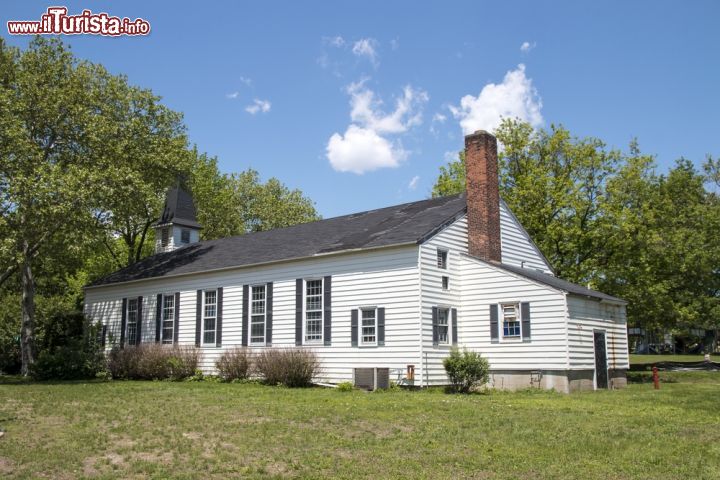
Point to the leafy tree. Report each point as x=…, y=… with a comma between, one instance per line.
x=234, y=204
x=554, y=183
x=604, y=218
x=142, y=145
x=85, y=160
x=48, y=104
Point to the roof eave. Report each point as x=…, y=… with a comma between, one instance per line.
x=259, y=264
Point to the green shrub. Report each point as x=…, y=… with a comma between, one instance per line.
x=69, y=362
x=154, y=362
x=292, y=367
x=465, y=369
x=233, y=364
x=345, y=387
x=79, y=357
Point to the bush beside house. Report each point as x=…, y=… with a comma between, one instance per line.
x=466, y=369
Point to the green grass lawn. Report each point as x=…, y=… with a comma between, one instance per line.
x=212, y=430
x=643, y=359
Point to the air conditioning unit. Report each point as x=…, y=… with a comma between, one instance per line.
x=371, y=378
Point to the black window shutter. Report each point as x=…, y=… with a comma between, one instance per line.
x=198, y=318
x=268, y=313
x=381, y=326
x=219, y=318
x=138, y=327
x=245, y=313
x=176, y=327
x=525, y=315
x=494, y=334
x=123, y=322
x=298, y=311
x=454, y=326
x=104, y=336
x=436, y=333
x=158, y=316
x=327, y=306
x=354, y=327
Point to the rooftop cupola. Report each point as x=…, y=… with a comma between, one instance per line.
x=178, y=225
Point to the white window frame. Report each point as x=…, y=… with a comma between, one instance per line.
x=127, y=320
x=446, y=258
x=322, y=311
x=252, y=315
x=449, y=324
x=442, y=283
x=361, y=340
x=518, y=320
x=204, y=317
x=183, y=232
x=163, y=318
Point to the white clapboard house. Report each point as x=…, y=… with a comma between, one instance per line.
x=380, y=296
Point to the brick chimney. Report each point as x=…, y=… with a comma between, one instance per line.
x=483, y=197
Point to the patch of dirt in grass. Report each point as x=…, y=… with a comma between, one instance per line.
x=379, y=430
x=122, y=441
x=276, y=468
x=53, y=421
x=228, y=446
x=92, y=469
x=165, y=458
x=6, y=466
x=192, y=435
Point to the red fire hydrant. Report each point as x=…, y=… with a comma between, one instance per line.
x=656, y=378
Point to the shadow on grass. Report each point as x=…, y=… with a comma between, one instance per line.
x=20, y=380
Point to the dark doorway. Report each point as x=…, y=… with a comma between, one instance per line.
x=601, y=367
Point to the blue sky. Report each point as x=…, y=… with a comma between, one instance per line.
x=358, y=104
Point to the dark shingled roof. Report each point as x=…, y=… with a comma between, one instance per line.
x=179, y=209
x=401, y=224
x=556, y=282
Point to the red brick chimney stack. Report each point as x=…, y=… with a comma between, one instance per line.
x=483, y=197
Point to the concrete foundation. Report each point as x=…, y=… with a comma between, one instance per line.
x=565, y=381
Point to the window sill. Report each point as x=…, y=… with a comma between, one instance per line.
x=512, y=340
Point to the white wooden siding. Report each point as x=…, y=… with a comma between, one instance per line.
x=517, y=247
x=484, y=285
x=386, y=277
x=454, y=240
x=586, y=316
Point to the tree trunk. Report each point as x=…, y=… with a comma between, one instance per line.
x=27, y=329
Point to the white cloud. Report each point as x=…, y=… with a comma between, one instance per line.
x=515, y=97
x=439, y=118
x=450, y=156
x=246, y=81
x=366, y=109
x=365, y=145
x=413, y=182
x=258, y=106
x=336, y=41
x=527, y=46
x=233, y=95
x=395, y=43
x=367, y=47
x=362, y=150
